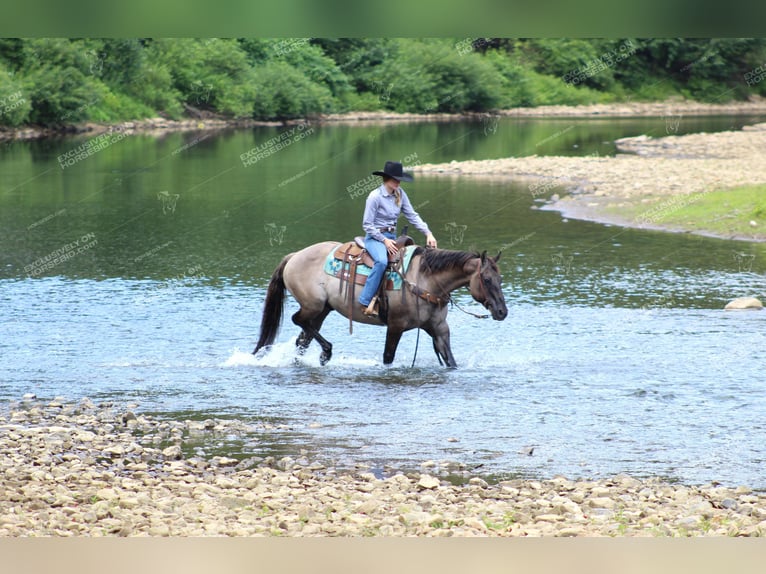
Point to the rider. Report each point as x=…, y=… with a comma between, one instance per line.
x=381, y=213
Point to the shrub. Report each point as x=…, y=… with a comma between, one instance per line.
x=523, y=87
x=15, y=104
x=61, y=94
x=559, y=57
x=209, y=74
x=283, y=92
x=432, y=76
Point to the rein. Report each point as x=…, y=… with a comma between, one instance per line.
x=471, y=313
x=483, y=292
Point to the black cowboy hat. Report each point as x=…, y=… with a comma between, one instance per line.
x=394, y=169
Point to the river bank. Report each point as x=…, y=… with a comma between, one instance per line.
x=81, y=469
x=159, y=125
x=670, y=107
x=649, y=184
x=150, y=126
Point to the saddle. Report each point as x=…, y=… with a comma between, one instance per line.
x=352, y=253
x=355, y=250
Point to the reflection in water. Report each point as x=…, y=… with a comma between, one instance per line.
x=616, y=356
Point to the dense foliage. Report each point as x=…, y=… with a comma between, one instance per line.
x=53, y=81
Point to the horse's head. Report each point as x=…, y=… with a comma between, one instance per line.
x=486, y=288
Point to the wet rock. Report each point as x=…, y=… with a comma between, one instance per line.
x=601, y=502
x=743, y=303
x=479, y=482
x=224, y=461
x=428, y=482
x=600, y=491
x=578, y=496
x=107, y=494
x=172, y=452
x=115, y=451
x=369, y=507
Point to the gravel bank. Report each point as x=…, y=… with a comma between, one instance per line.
x=100, y=470
x=671, y=107
x=648, y=180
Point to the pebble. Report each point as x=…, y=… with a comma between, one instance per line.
x=428, y=482
x=78, y=470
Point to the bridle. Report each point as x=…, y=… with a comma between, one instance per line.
x=483, y=293
x=441, y=301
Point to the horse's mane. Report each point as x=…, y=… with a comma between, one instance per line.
x=433, y=260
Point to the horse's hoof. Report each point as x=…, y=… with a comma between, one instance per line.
x=324, y=358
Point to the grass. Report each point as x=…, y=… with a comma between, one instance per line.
x=506, y=522
x=622, y=522
x=736, y=212
x=724, y=212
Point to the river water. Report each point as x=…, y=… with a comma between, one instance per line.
x=135, y=273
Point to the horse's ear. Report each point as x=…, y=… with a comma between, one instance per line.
x=483, y=256
x=497, y=258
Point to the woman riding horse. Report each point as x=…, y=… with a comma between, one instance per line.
x=381, y=213
x=422, y=303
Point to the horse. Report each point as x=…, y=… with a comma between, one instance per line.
x=426, y=287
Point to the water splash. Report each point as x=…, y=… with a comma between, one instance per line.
x=284, y=354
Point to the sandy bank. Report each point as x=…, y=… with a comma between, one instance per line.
x=642, y=185
x=102, y=470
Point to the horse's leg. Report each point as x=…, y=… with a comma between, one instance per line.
x=307, y=281
x=440, y=335
x=311, y=323
x=392, y=342
x=304, y=339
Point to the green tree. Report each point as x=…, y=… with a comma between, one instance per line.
x=283, y=92
x=59, y=81
x=359, y=58
x=212, y=74
x=14, y=103
x=432, y=76
x=57, y=76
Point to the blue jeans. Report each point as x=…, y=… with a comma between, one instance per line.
x=379, y=254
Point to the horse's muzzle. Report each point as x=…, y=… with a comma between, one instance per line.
x=499, y=312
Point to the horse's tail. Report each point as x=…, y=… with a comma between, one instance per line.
x=272, y=308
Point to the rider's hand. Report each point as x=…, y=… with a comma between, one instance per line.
x=390, y=246
x=430, y=241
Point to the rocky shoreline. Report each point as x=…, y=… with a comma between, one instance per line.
x=151, y=126
x=158, y=126
x=81, y=469
x=671, y=107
